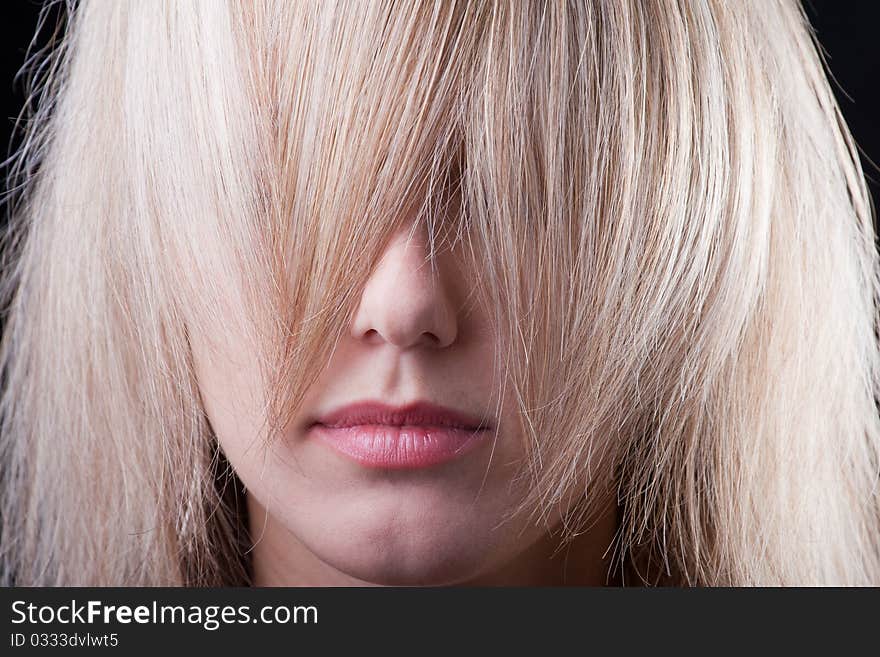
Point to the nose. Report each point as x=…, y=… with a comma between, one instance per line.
x=406, y=301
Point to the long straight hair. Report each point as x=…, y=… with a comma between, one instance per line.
x=664, y=206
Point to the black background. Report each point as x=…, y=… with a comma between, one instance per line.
x=847, y=30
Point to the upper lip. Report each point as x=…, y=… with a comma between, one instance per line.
x=417, y=413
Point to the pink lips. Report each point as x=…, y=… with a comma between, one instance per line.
x=417, y=435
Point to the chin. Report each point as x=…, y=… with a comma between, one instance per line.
x=409, y=545
x=389, y=565
x=434, y=570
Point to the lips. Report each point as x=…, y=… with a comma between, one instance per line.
x=417, y=435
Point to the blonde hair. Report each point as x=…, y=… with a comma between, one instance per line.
x=663, y=202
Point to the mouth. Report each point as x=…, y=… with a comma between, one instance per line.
x=418, y=435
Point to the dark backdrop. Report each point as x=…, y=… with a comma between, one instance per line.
x=847, y=30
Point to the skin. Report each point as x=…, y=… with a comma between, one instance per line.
x=319, y=518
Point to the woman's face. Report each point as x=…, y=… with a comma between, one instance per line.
x=397, y=469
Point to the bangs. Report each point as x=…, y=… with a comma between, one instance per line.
x=563, y=168
x=369, y=103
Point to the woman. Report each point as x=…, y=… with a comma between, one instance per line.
x=439, y=293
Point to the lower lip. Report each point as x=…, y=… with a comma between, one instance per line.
x=400, y=447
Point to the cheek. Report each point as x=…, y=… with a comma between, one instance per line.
x=232, y=395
